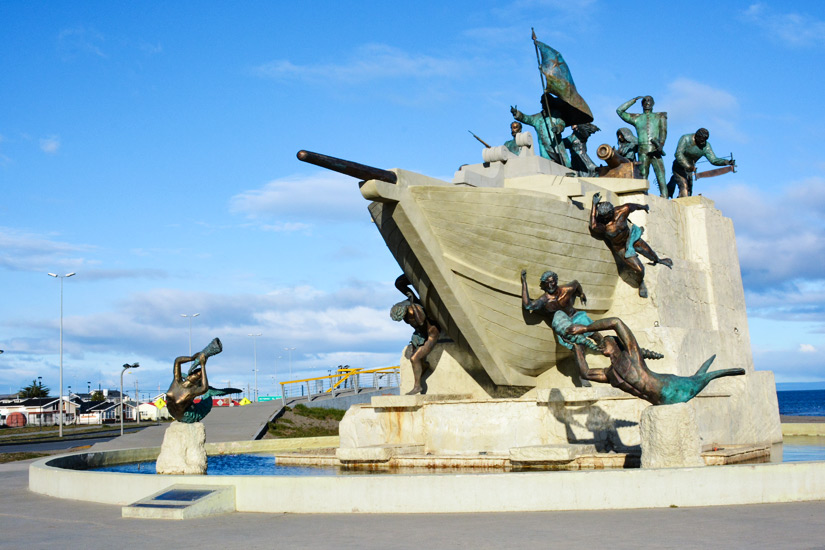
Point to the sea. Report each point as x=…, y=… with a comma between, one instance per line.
x=802, y=402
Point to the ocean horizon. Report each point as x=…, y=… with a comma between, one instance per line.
x=801, y=402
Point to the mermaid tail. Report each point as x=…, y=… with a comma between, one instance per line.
x=706, y=365
x=197, y=411
x=216, y=392
x=681, y=389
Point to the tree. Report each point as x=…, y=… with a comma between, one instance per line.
x=35, y=389
x=97, y=395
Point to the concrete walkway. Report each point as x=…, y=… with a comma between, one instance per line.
x=222, y=424
x=32, y=521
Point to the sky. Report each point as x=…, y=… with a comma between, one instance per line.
x=150, y=148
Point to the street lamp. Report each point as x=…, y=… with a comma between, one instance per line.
x=290, y=350
x=61, y=277
x=125, y=367
x=255, y=352
x=190, y=329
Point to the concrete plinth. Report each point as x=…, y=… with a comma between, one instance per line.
x=183, y=450
x=670, y=437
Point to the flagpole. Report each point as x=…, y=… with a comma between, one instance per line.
x=546, y=108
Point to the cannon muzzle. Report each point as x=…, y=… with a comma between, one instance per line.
x=610, y=156
x=354, y=169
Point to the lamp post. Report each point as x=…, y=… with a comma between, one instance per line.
x=40, y=391
x=60, y=414
x=255, y=354
x=275, y=371
x=290, y=350
x=125, y=368
x=192, y=316
x=137, y=402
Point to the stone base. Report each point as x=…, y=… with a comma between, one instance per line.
x=183, y=450
x=602, y=416
x=670, y=437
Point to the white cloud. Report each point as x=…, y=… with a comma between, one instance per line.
x=21, y=251
x=696, y=105
x=78, y=41
x=319, y=197
x=50, y=145
x=780, y=238
x=366, y=63
x=286, y=227
x=345, y=325
x=790, y=28
x=806, y=348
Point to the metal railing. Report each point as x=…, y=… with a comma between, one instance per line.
x=345, y=380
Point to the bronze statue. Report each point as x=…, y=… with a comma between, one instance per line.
x=549, y=126
x=425, y=334
x=515, y=128
x=627, y=145
x=557, y=303
x=180, y=397
x=651, y=132
x=577, y=144
x=691, y=148
x=629, y=372
x=623, y=238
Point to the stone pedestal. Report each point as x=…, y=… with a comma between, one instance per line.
x=183, y=450
x=670, y=437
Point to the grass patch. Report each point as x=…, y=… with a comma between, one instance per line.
x=14, y=457
x=319, y=413
x=303, y=421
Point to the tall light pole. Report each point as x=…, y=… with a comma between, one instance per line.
x=275, y=370
x=255, y=352
x=60, y=402
x=125, y=368
x=137, y=402
x=290, y=350
x=192, y=316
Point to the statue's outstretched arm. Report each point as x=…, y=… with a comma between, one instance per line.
x=617, y=325
x=594, y=225
x=525, y=296
x=629, y=207
x=622, y=110
x=178, y=362
x=204, y=381
x=418, y=313
x=713, y=159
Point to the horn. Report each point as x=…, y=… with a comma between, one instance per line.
x=214, y=348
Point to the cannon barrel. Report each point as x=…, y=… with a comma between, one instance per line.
x=354, y=169
x=610, y=156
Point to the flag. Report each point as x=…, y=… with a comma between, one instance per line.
x=559, y=84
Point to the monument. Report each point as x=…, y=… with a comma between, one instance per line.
x=513, y=386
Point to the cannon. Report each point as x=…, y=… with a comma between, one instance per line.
x=354, y=169
x=617, y=165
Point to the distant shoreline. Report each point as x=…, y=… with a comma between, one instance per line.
x=791, y=419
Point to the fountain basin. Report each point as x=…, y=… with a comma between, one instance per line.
x=446, y=493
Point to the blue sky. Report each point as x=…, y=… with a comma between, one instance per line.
x=150, y=147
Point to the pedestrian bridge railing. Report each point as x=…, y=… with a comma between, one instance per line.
x=345, y=380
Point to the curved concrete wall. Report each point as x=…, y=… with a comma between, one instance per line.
x=441, y=493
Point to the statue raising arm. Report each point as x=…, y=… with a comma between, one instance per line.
x=630, y=118
x=526, y=302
